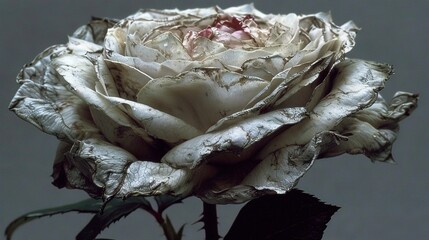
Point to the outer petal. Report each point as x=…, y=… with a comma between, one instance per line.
x=106, y=163
x=233, y=144
x=79, y=75
x=380, y=114
x=372, y=131
x=355, y=87
x=276, y=173
x=44, y=102
x=363, y=138
x=66, y=174
x=149, y=178
x=120, y=174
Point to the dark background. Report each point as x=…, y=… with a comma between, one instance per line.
x=379, y=201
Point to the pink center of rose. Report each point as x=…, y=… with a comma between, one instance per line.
x=231, y=31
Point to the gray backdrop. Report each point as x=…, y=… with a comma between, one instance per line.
x=379, y=201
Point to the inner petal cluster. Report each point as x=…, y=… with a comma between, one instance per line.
x=231, y=31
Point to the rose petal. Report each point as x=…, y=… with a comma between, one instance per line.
x=149, y=178
x=373, y=130
x=115, y=40
x=81, y=47
x=135, y=48
x=253, y=108
x=59, y=173
x=233, y=144
x=95, y=31
x=107, y=163
x=128, y=80
x=78, y=75
x=222, y=92
x=54, y=110
x=77, y=69
x=152, y=69
x=156, y=123
x=277, y=173
x=363, y=138
x=137, y=32
x=236, y=57
x=265, y=68
x=379, y=114
x=355, y=87
x=285, y=31
x=120, y=129
x=66, y=174
x=169, y=45
x=40, y=66
x=229, y=59
x=308, y=56
x=319, y=92
x=307, y=65
x=298, y=93
x=244, y=9
x=44, y=102
x=204, y=48
x=120, y=174
x=150, y=23
x=346, y=33
x=105, y=78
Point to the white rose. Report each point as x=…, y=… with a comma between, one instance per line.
x=225, y=104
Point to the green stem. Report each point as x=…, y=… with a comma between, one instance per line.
x=210, y=221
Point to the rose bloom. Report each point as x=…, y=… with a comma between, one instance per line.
x=224, y=104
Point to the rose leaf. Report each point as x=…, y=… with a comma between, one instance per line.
x=86, y=206
x=105, y=214
x=294, y=215
x=113, y=211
